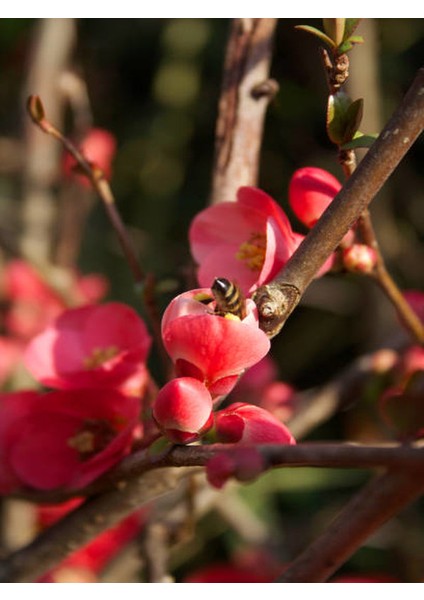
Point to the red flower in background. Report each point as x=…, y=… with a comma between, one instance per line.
x=85, y=564
x=259, y=385
x=93, y=346
x=247, y=241
x=34, y=304
x=311, y=190
x=211, y=348
x=63, y=438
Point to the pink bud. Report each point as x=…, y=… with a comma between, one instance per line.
x=359, y=258
x=244, y=464
x=311, y=190
x=248, y=424
x=183, y=410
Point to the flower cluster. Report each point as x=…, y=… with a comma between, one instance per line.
x=246, y=243
x=92, y=358
x=71, y=434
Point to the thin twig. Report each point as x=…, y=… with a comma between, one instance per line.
x=144, y=283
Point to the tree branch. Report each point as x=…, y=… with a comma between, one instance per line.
x=368, y=510
x=85, y=523
x=277, y=300
x=245, y=95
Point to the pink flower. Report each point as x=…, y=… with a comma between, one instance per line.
x=243, y=423
x=259, y=385
x=247, y=241
x=183, y=410
x=34, y=304
x=209, y=347
x=98, y=147
x=63, y=438
x=311, y=190
x=93, y=346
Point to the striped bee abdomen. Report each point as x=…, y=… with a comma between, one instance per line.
x=228, y=298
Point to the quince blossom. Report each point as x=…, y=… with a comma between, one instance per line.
x=92, y=346
x=209, y=347
x=311, y=190
x=247, y=241
x=63, y=438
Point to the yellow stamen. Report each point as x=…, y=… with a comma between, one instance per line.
x=82, y=442
x=231, y=317
x=252, y=252
x=99, y=356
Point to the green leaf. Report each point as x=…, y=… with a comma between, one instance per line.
x=350, y=26
x=317, y=33
x=348, y=44
x=343, y=118
x=335, y=29
x=360, y=141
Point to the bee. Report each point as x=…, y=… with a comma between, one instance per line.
x=228, y=298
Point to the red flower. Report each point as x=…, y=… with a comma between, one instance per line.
x=183, y=410
x=86, y=564
x=209, y=347
x=243, y=423
x=63, y=438
x=311, y=190
x=93, y=346
x=247, y=241
x=259, y=385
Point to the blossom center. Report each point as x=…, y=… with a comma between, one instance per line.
x=252, y=252
x=99, y=356
x=93, y=437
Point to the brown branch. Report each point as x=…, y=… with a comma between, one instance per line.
x=277, y=300
x=132, y=490
x=368, y=510
x=319, y=454
x=84, y=524
x=245, y=95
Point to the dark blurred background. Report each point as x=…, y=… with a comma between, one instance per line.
x=155, y=83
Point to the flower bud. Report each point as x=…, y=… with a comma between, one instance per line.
x=359, y=258
x=248, y=424
x=183, y=410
